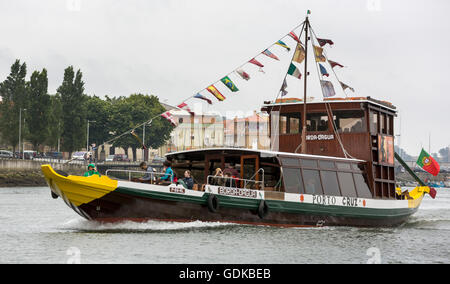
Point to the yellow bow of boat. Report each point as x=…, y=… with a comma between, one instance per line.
x=76, y=189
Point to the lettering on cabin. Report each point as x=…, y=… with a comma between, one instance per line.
x=350, y=201
x=176, y=189
x=319, y=137
x=240, y=192
x=324, y=200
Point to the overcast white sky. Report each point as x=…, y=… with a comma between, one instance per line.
x=394, y=50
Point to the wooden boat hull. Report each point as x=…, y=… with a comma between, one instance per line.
x=140, y=202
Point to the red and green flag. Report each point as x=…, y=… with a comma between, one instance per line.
x=426, y=162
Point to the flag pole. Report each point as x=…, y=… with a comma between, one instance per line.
x=303, y=147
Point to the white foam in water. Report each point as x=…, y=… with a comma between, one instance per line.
x=85, y=225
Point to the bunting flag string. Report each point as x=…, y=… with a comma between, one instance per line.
x=293, y=71
x=323, y=71
x=318, y=53
x=294, y=36
x=185, y=107
x=167, y=115
x=213, y=90
x=230, y=85
x=299, y=55
x=334, y=64
x=282, y=44
x=138, y=139
x=257, y=63
x=323, y=42
x=283, y=88
x=243, y=74
x=199, y=96
x=270, y=54
x=327, y=89
x=344, y=86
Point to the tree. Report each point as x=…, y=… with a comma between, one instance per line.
x=38, y=113
x=14, y=98
x=74, y=116
x=128, y=113
x=56, y=126
x=98, y=110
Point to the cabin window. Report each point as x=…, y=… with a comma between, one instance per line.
x=316, y=122
x=326, y=165
x=373, y=122
x=289, y=162
x=347, y=184
x=309, y=163
x=350, y=121
x=330, y=183
x=292, y=180
x=290, y=123
x=312, y=182
x=361, y=186
x=343, y=166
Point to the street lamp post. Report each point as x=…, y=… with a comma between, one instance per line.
x=20, y=132
x=87, y=138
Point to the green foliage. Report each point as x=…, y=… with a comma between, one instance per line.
x=14, y=93
x=56, y=124
x=74, y=115
x=38, y=112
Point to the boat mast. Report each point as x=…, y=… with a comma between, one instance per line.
x=303, y=148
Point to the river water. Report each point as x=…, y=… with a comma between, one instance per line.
x=34, y=228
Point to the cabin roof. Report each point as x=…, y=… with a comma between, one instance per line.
x=295, y=101
x=263, y=153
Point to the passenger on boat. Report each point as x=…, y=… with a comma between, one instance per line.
x=169, y=174
x=188, y=180
x=91, y=171
x=218, y=177
x=231, y=170
x=149, y=176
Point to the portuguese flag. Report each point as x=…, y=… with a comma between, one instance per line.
x=428, y=163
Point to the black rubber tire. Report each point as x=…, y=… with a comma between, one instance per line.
x=54, y=195
x=263, y=209
x=213, y=203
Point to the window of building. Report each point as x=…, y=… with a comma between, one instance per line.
x=361, y=186
x=294, y=125
x=347, y=184
x=283, y=124
x=292, y=180
x=316, y=122
x=383, y=123
x=290, y=123
x=330, y=183
x=373, y=122
x=350, y=121
x=312, y=182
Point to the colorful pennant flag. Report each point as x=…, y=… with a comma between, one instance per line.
x=167, y=115
x=185, y=107
x=293, y=71
x=270, y=54
x=327, y=89
x=299, y=55
x=334, y=64
x=243, y=74
x=428, y=163
x=138, y=139
x=322, y=41
x=318, y=53
x=199, y=96
x=256, y=62
x=283, y=88
x=216, y=93
x=294, y=36
x=344, y=86
x=282, y=44
x=323, y=71
x=227, y=82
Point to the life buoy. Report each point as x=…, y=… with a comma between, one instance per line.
x=263, y=209
x=213, y=203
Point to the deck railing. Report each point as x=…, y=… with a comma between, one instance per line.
x=137, y=174
x=238, y=182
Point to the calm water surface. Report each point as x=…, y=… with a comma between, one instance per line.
x=34, y=228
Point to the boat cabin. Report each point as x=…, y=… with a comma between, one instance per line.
x=361, y=128
x=275, y=173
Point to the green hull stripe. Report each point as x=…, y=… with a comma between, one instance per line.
x=275, y=205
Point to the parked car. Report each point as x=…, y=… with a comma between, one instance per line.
x=54, y=155
x=158, y=160
x=6, y=154
x=110, y=158
x=121, y=158
x=29, y=155
x=81, y=156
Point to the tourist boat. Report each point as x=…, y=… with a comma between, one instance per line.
x=342, y=174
